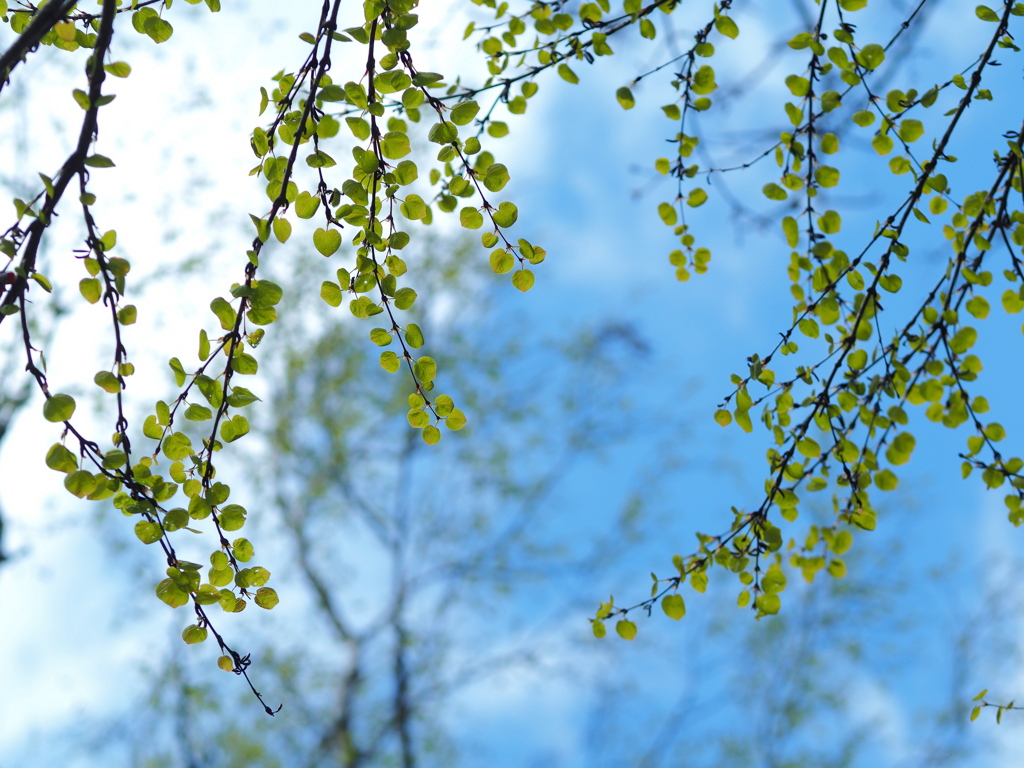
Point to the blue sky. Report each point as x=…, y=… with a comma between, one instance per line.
x=573, y=160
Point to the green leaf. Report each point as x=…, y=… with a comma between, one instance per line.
x=431, y=435
x=363, y=307
x=232, y=517
x=59, y=458
x=985, y=13
x=978, y=307
x=890, y=283
x=697, y=197
x=829, y=143
x=837, y=568
x=886, y=480
x=673, y=606
x=455, y=420
x=413, y=207
x=80, y=483
x=425, y=369
x=265, y=293
x=208, y=594
x=360, y=128
x=380, y=337
x=115, y=459
x=625, y=98
x=158, y=29
x=826, y=176
x=148, y=532
x=306, y=205
x=443, y=405
x=171, y=594
x=471, y=218
x=767, y=604
x=464, y=112
x=99, y=161
x=704, y=81
x=118, y=69
x=151, y=429
x=798, y=86
x=266, y=598
x=321, y=159
x=743, y=420
x=406, y=172
x=567, y=74
x=1012, y=301
x=260, y=142
x=498, y=129
x=244, y=364
x=791, y=230
x=995, y=432
x=127, y=315
x=91, y=289
x=234, y=428
x=326, y=241
x=404, y=298
x=443, y=133
x=224, y=312
x=413, y=336
x=426, y=78
x=626, y=629
x=177, y=446
x=726, y=26
x=193, y=634
x=196, y=412
x=331, y=293
x=262, y=228
x=242, y=549
x=911, y=130
x=211, y=390
x=282, y=229
x=496, y=177
x=863, y=118
x=808, y=448
x=59, y=407
x=42, y=281
x=523, y=280
x=395, y=145
x=505, y=215
x=107, y=381
x=241, y=397
x=179, y=375
x=841, y=542
x=871, y=56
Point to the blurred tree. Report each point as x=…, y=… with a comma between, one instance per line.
x=412, y=570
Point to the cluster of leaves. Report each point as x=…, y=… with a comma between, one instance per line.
x=308, y=108
x=999, y=708
x=841, y=422
x=130, y=480
x=837, y=423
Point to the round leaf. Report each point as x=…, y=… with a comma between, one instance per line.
x=58, y=407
